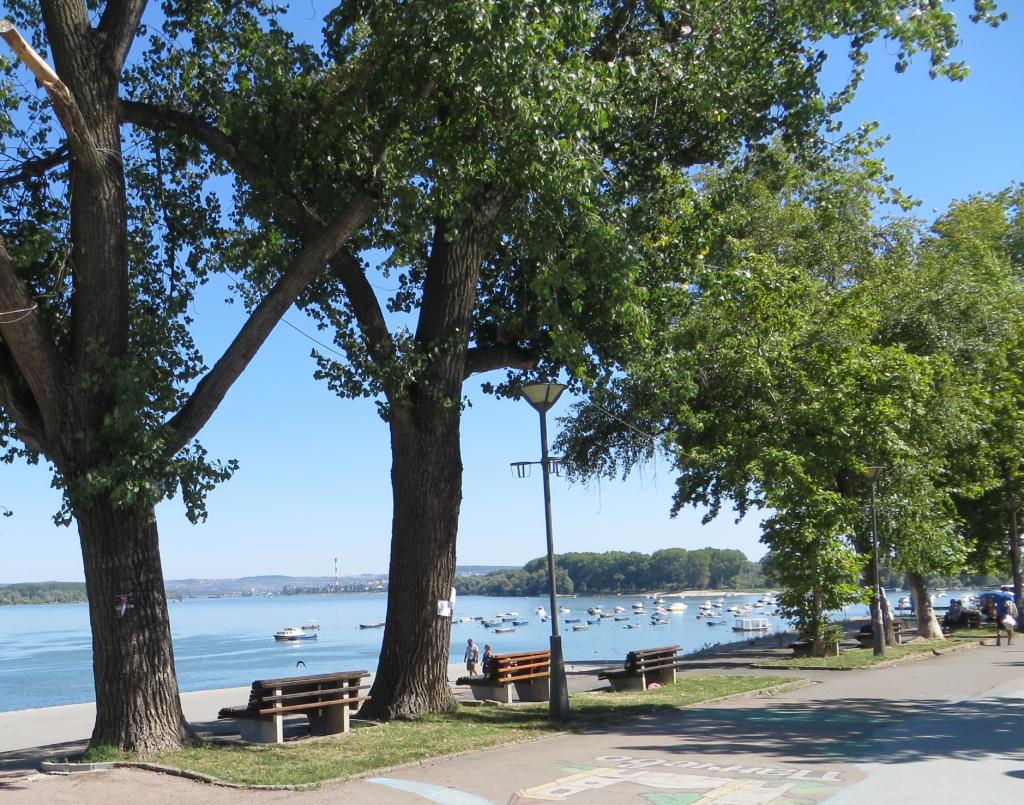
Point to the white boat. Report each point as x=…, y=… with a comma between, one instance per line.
x=580, y=627
x=295, y=633
x=751, y=625
x=618, y=608
x=542, y=612
x=595, y=610
x=677, y=606
x=504, y=629
x=564, y=609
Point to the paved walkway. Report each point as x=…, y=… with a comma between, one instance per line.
x=937, y=730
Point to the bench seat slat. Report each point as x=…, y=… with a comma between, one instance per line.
x=308, y=693
x=291, y=708
x=522, y=677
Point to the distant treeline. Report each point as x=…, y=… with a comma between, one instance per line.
x=624, y=572
x=43, y=592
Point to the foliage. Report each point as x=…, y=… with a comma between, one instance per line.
x=818, y=340
x=47, y=592
x=622, y=572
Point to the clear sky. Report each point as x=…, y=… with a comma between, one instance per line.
x=314, y=482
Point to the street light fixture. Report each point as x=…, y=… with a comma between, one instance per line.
x=542, y=396
x=877, y=627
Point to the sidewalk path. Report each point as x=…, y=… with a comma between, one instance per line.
x=943, y=729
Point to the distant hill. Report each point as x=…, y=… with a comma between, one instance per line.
x=64, y=592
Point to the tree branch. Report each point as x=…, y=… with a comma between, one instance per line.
x=30, y=346
x=118, y=27
x=20, y=407
x=306, y=265
x=496, y=356
x=344, y=264
x=79, y=138
x=161, y=118
x=36, y=167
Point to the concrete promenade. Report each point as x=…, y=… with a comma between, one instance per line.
x=942, y=729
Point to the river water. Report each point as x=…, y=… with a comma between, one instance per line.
x=46, y=651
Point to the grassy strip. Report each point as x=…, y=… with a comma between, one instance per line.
x=852, y=659
x=375, y=747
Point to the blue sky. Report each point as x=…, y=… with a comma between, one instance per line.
x=314, y=481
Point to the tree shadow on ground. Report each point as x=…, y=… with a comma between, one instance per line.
x=850, y=730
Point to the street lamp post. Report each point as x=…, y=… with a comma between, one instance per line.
x=1013, y=505
x=877, y=623
x=542, y=396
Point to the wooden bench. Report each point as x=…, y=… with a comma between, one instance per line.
x=528, y=672
x=866, y=634
x=643, y=668
x=325, y=699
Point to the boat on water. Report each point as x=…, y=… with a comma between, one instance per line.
x=677, y=606
x=490, y=623
x=541, y=612
x=618, y=608
x=631, y=626
x=505, y=629
x=622, y=617
x=594, y=610
x=573, y=620
x=519, y=623
x=592, y=622
x=371, y=625
x=564, y=609
x=751, y=625
x=715, y=623
x=660, y=621
x=289, y=633
x=580, y=627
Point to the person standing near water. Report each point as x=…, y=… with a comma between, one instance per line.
x=472, y=657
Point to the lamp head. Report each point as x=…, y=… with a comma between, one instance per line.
x=542, y=396
x=872, y=473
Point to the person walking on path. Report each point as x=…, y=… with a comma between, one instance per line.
x=1006, y=618
x=472, y=657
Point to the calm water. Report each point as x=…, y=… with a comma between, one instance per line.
x=46, y=654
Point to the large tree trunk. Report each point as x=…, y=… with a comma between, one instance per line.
x=137, y=704
x=927, y=624
x=426, y=478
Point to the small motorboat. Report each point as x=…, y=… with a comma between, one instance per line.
x=622, y=617
x=595, y=610
x=660, y=621
x=295, y=633
x=592, y=622
x=631, y=626
x=505, y=629
x=490, y=623
x=564, y=609
x=371, y=625
x=541, y=611
x=715, y=623
x=573, y=620
x=519, y=623
x=580, y=627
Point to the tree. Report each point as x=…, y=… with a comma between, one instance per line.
x=98, y=374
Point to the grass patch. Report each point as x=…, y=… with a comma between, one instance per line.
x=103, y=754
x=865, y=658
x=366, y=748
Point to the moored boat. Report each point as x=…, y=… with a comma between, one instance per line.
x=289, y=633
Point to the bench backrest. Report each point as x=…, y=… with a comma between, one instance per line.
x=292, y=693
x=651, y=657
x=521, y=665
